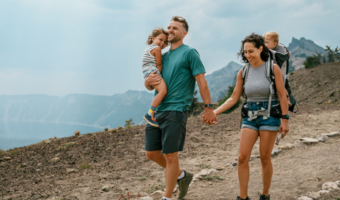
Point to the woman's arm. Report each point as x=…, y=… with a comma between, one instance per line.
x=281, y=92
x=157, y=53
x=234, y=97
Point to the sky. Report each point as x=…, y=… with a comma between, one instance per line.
x=60, y=47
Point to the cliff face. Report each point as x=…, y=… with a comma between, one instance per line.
x=300, y=49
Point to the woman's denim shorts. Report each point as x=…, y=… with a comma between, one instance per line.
x=270, y=124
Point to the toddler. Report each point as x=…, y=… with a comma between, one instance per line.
x=152, y=61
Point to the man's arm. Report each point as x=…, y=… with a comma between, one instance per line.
x=152, y=80
x=209, y=116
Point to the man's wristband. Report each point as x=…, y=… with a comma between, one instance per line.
x=208, y=105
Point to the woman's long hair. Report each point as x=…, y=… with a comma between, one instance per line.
x=257, y=41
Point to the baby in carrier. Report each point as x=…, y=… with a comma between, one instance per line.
x=271, y=40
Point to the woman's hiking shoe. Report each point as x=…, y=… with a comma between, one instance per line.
x=239, y=198
x=264, y=197
x=148, y=119
x=183, y=184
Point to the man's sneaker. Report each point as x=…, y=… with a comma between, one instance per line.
x=264, y=197
x=148, y=119
x=239, y=198
x=183, y=184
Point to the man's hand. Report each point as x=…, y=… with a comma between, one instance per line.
x=284, y=128
x=209, y=117
x=152, y=80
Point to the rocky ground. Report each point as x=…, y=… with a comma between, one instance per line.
x=112, y=164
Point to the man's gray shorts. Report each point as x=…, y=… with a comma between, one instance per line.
x=170, y=135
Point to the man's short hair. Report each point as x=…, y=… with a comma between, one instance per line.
x=273, y=35
x=181, y=20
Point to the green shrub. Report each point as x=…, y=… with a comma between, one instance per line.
x=310, y=62
x=143, y=178
x=106, y=129
x=128, y=123
x=2, y=152
x=85, y=165
x=225, y=98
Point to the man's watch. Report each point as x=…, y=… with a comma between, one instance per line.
x=208, y=105
x=285, y=117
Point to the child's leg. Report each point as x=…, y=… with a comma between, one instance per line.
x=162, y=90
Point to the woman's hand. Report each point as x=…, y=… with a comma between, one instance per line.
x=284, y=128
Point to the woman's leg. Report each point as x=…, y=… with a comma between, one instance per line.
x=267, y=140
x=247, y=141
x=162, y=90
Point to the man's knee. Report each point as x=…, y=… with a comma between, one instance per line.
x=153, y=155
x=171, y=158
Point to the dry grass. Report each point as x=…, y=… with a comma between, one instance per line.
x=76, y=133
x=120, y=128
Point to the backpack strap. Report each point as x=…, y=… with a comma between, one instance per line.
x=245, y=71
x=271, y=77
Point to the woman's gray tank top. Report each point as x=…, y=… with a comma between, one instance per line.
x=256, y=86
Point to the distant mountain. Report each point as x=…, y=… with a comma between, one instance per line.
x=300, y=49
x=93, y=110
x=220, y=80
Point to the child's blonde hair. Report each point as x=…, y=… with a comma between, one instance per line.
x=273, y=35
x=155, y=33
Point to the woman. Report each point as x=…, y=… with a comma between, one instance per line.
x=256, y=87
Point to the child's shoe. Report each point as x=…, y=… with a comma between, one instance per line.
x=148, y=119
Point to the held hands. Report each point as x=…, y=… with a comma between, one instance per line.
x=209, y=117
x=284, y=128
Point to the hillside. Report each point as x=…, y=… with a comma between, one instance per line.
x=93, y=110
x=53, y=169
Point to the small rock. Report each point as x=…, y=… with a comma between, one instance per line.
x=337, y=182
x=332, y=134
x=322, y=192
x=70, y=170
x=234, y=163
x=308, y=140
x=7, y=158
x=56, y=159
x=253, y=157
x=322, y=138
x=146, y=198
x=276, y=152
x=286, y=146
x=298, y=143
x=330, y=186
x=304, y=198
x=314, y=195
x=157, y=194
x=221, y=167
x=107, y=188
x=331, y=93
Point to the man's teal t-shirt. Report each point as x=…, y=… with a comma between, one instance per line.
x=180, y=66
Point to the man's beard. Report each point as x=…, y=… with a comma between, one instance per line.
x=175, y=39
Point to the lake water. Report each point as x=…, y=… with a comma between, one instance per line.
x=17, y=134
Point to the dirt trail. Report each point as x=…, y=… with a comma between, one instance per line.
x=118, y=159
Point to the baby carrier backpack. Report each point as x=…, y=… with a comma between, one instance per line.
x=282, y=60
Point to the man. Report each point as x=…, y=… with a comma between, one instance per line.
x=181, y=67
